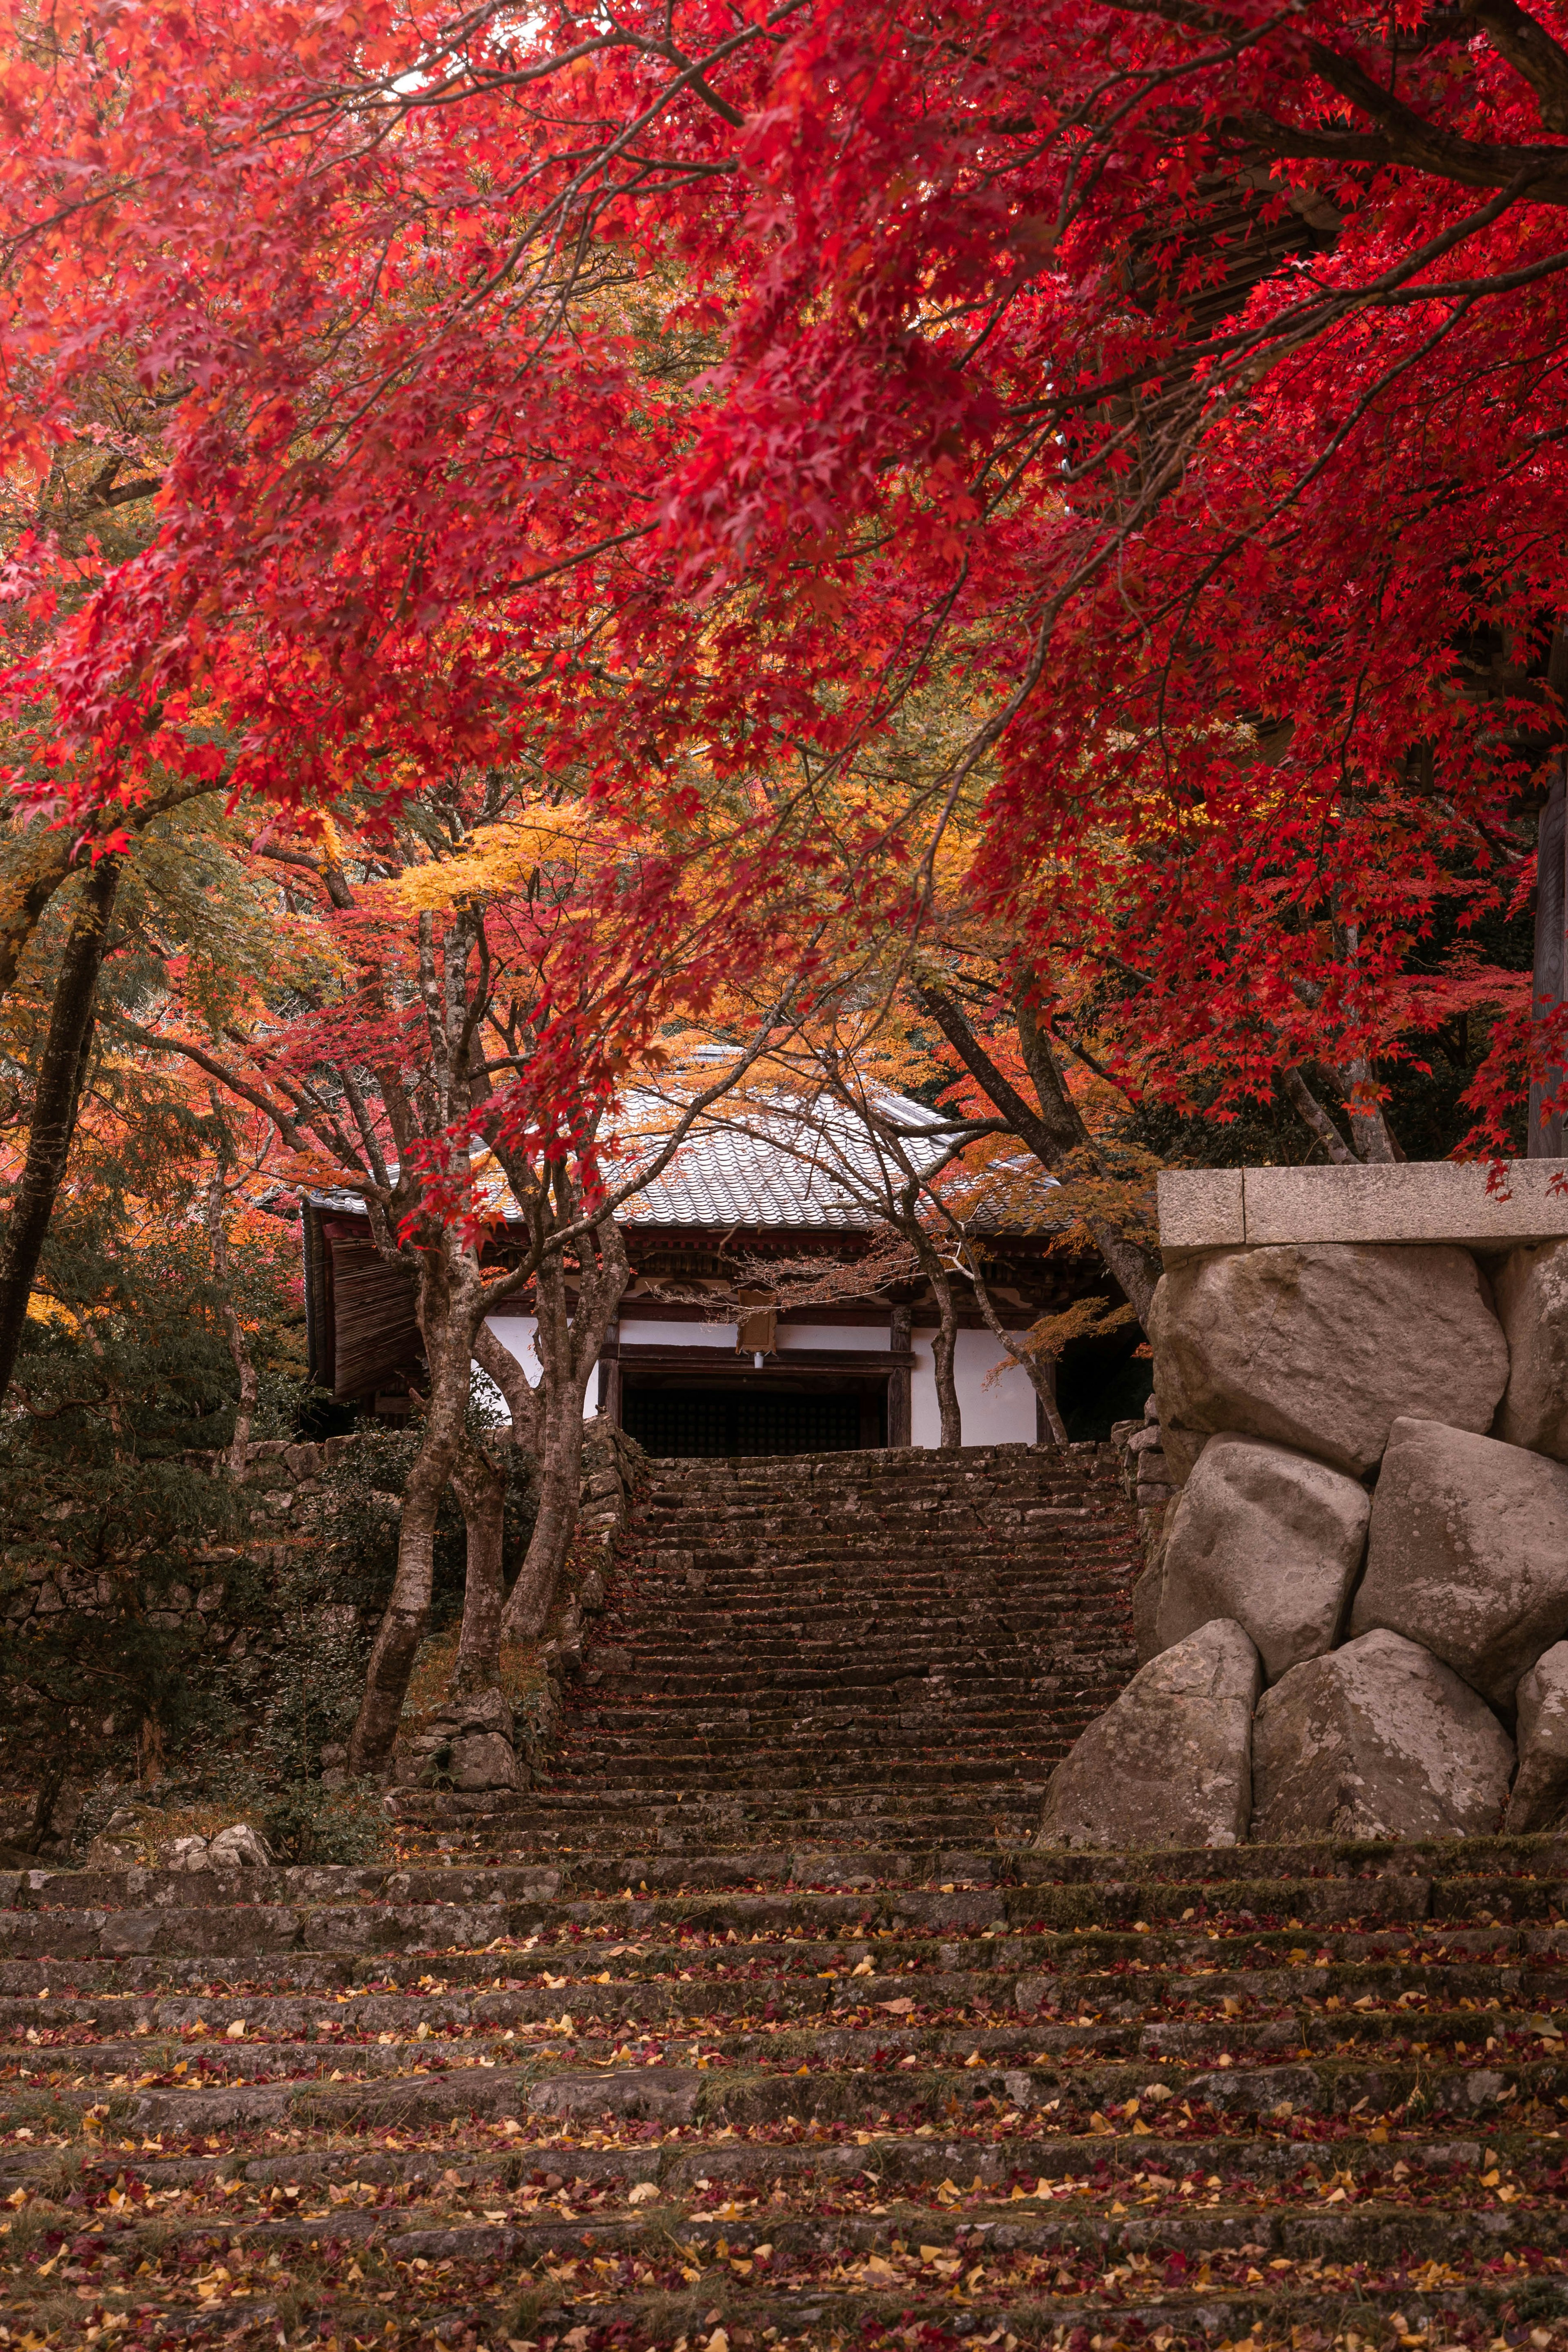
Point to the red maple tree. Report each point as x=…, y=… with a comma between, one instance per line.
x=1180, y=388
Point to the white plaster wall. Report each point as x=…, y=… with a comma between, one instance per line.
x=515, y=1333
x=830, y=1335
x=636, y=1333
x=1001, y=1414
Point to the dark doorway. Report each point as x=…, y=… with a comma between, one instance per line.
x=686, y=1421
x=1103, y=1381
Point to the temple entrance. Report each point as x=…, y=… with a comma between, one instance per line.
x=694, y=1421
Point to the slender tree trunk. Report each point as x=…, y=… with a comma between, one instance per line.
x=234, y=1331
x=480, y=1488
x=555, y=1521
x=67, y=1049
x=407, y=1614
x=944, y=1345
x=1369, y=1131
x=568, y=1352
x=1041, y=1369
x=560, y=1462
x=522, y=1401
x=1305, y=1102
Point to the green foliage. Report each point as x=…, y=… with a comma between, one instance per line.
x=302, y=1822
x=359, y=1521
x=184, y=1643
x=103, y=1511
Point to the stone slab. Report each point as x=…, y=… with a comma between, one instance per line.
x=1416, y=1201
x=1201, y=1208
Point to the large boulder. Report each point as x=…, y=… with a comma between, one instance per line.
x=1170, y=1762
x=1146, y=1591
x=1468, y=1553
x=1376, y=1740
x=1266, y=1537
x=1323, y=1345
x=1532, y=1307
x=1540, y=1797
x=1148, y=1586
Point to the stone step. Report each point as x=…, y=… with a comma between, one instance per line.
x=1213, y=2093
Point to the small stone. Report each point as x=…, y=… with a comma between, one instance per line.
x=185, y=1853
x=239, y=1848
x=1540, y=1797
x=1269, y=1538
x=1377, y=1740
x=110, y=1854
x=1468, y=1553
x=1169, y=1764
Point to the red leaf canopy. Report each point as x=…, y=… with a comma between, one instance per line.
x=1180, y=389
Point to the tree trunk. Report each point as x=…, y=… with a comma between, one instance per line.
x=1311, y=1112
x=56, y=1101
x=522, y=1402
x=568, y=1354
x=1545, y=1137
x=1041, y=1369
x=407, y=1614
x=944, y=1348
x=1369, y=1131
x=899, y=1382
x=944, y=1345
x=555, y=1521
x=480, y=1488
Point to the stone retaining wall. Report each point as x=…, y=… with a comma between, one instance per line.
x=283, y=1480
x=1354, y=1621
x=281, y=1474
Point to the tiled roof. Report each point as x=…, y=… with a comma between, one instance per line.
x=798, y=1170
x=780, y=1167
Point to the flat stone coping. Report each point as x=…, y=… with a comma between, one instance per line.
x=1416, y=1201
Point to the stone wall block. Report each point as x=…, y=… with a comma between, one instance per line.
x=1379, y=1739
x=1540, y=1797
x=1269, y=1538
x=1532, y=1307
x=1323, y=1346
x=1468, y=1553
x=1170, y=1762
x=466, y=1743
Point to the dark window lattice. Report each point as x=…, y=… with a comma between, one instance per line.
x=687, y=1421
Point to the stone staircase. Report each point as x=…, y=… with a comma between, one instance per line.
x=791, y=2075
x=806, y=1646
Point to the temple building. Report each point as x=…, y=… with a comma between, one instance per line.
x=770, y=1309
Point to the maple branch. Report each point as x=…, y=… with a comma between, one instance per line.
x=1312, y=1110
x=1533, y=52
x=158, y=1042
x=64, y=858
x=1410, y=139
x=329, y=874
x=1053, y=1133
